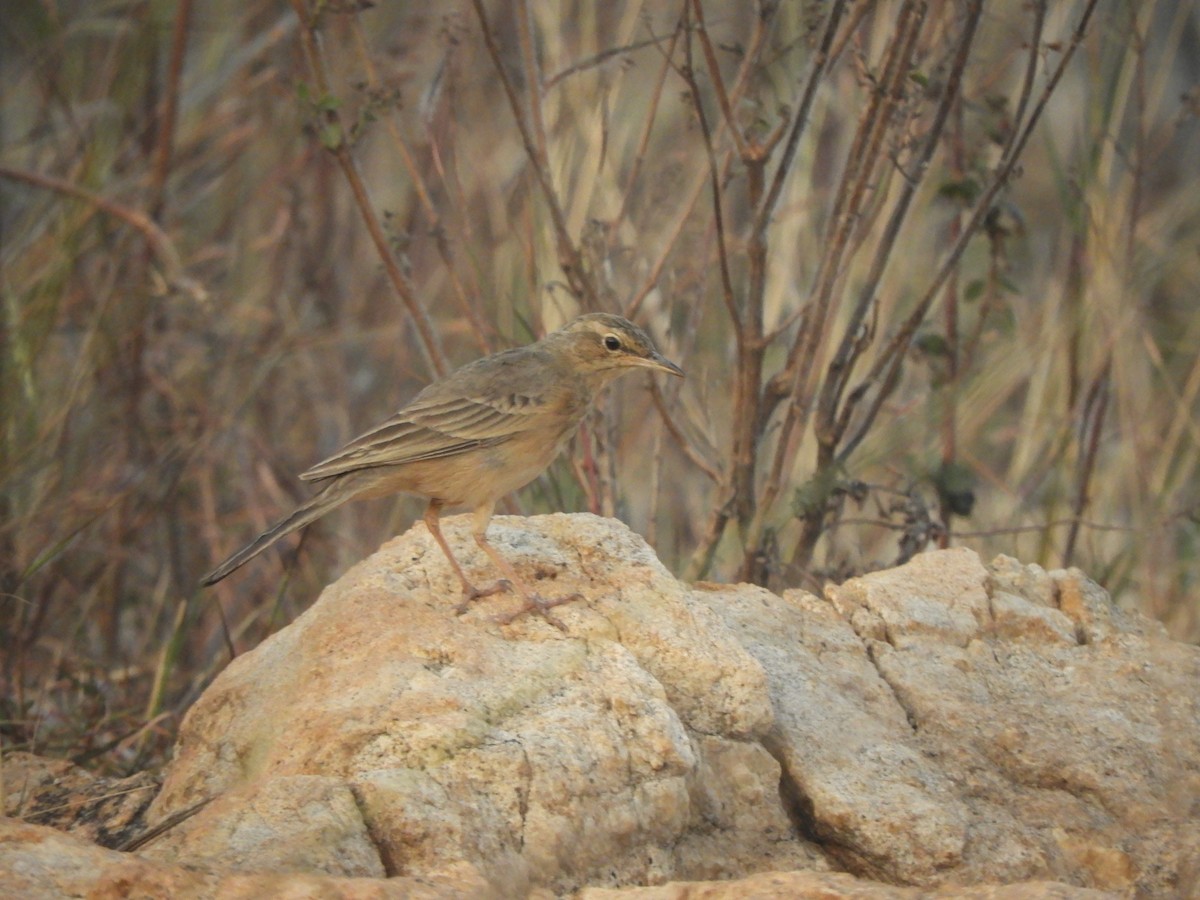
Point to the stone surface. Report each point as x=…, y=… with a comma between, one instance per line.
x=39, y=863
x=1067, y=728
x=944, y=729
x=854, y=779
x=837, y=886
x=293, y=823
x=57, y=793
x=545, y=759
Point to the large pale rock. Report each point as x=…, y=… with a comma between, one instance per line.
x=854, y=779
x=921, y=730
x=1068, y=731
x=544, y=758
x=39, y=863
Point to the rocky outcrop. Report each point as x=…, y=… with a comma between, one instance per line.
x=383, y=734
x=55, y=792
x=40, y=863
x=933, y=726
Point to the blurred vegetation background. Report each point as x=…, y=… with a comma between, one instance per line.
x=932, y=269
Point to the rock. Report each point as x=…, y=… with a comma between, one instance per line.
x=293, y=823
x=54, y=792
x=937, y=598
x=40, y=863
x=836, y=886
x=944, y=729
x=1017, y=619
x=545, y=759
x=853, y=778
x=1072, y=751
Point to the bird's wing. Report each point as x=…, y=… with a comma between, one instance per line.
x=432, y=427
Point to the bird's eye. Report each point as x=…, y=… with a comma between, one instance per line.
x=612, y=342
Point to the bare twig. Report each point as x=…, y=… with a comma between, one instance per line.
x=569, y=258
x=835, y=423
x=745, y=316
x=1090, y=431
x=892, y=357
x=643, y=142
x=862, y=158
x=467, y=303
x=1031, y=67
x=165, y=138
x=677, y=434
x=714, y=71
x=533, y=84
x=160, y=243
x=335, y=140
x=800, y=118
x=599, y=59
x=727, y=292
x=164, y=826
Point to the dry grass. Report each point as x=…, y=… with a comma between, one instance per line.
x=197, y=304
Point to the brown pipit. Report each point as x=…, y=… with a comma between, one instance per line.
x=477, y=434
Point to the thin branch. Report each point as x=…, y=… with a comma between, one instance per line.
x=820, y=64
x=697, y=186
x=465, y=301
x=831, y=426
x=714, y=69
x=893, y=356
x=165, y=139
x=861, y=158
x=569, y=258
x=336, y=142
x=994, y=532
x=737, y=487
x=706, y=548
x=639, y=158
x=160, y=243
x=598, y=59
x=727, y=293
x=1091, y=429
x=533, y=82
x=1041, y=527
x=693, y=194
x=1031, y=67
x=832, y=393
x=677, y=434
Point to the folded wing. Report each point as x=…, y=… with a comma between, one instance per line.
x=433, y=428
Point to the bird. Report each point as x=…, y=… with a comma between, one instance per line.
x=474, y=436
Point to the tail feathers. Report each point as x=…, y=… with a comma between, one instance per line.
x=334, y=494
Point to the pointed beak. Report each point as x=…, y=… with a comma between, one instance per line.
x=661, y=363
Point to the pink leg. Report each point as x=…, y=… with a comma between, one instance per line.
x=470, y=592
x=533, y=600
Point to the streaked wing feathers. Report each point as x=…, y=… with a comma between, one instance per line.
x=433, y=428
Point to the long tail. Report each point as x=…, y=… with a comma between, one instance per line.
x=337, y=492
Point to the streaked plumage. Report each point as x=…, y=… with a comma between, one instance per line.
x=476, y=435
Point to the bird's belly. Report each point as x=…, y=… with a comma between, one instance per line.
x=478, y=476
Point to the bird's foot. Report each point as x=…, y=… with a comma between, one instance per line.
x=472, y=593
x=535, y=601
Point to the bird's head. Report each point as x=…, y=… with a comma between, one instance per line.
x=604, y=346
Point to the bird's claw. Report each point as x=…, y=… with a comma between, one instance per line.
x=534, y=601
x=472, y=593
